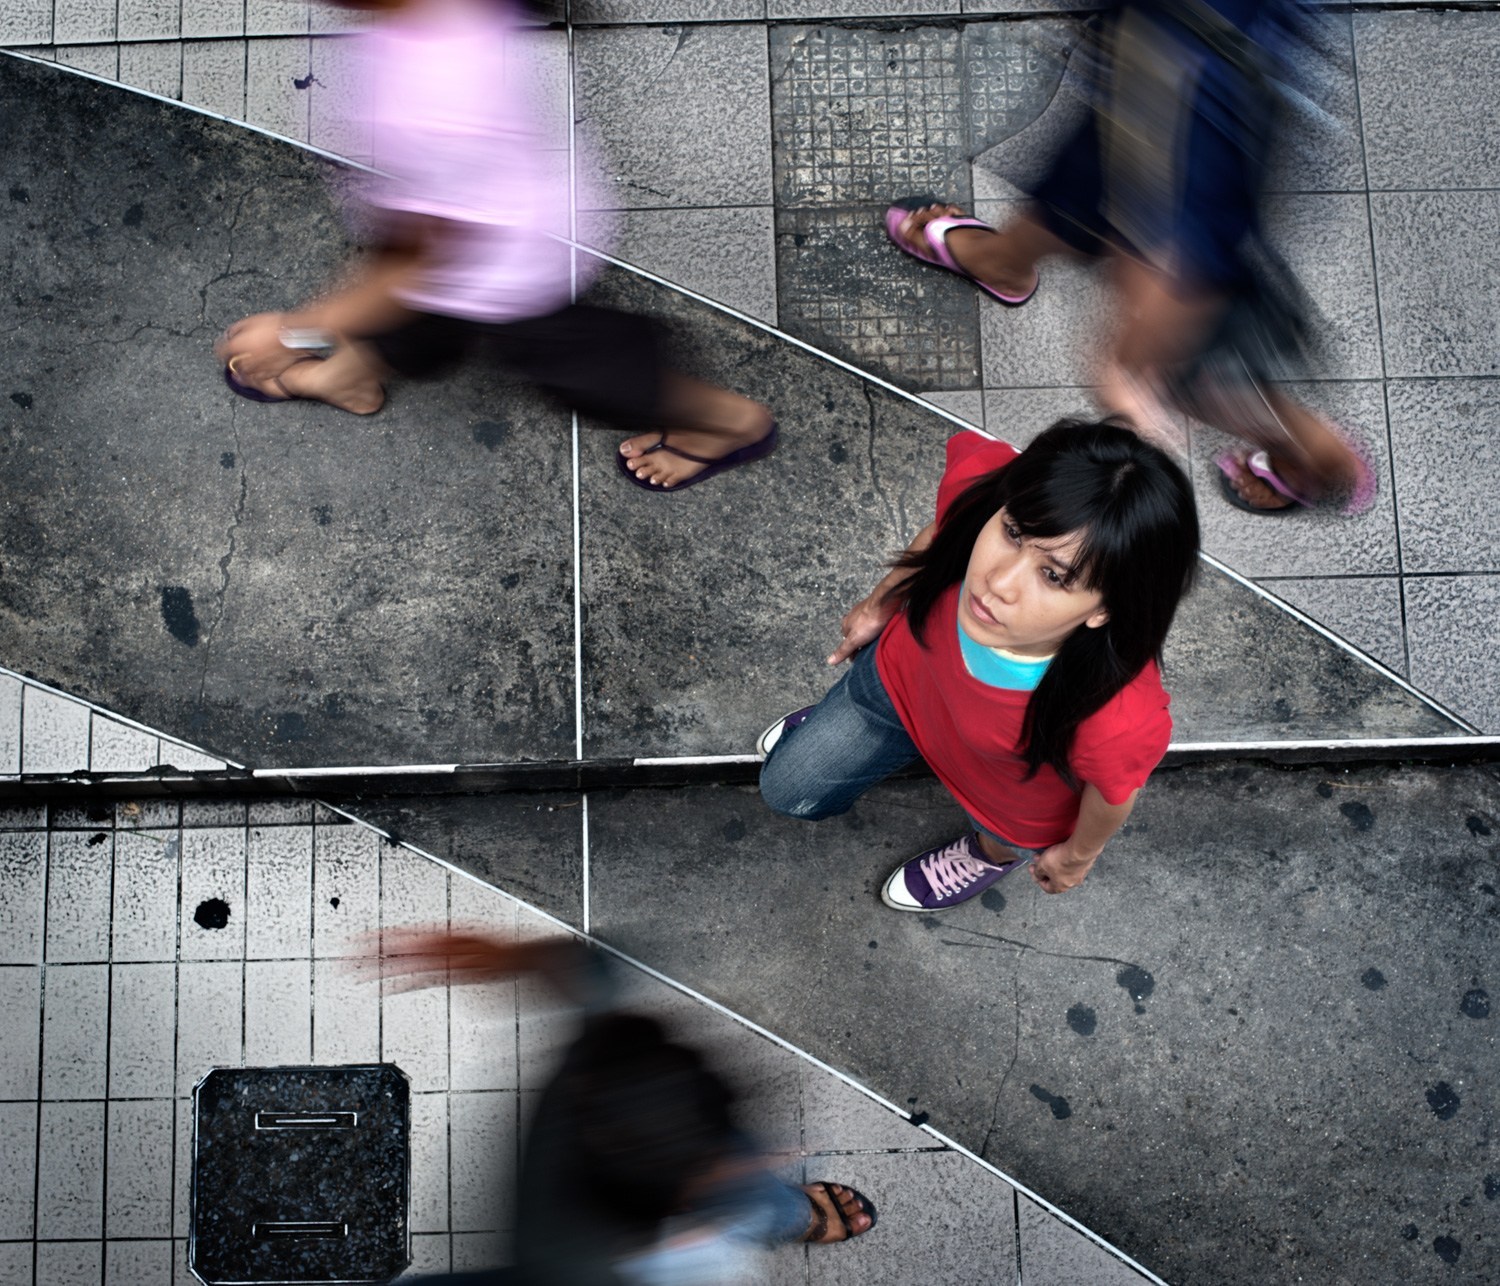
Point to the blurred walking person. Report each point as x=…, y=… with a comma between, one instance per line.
x=466, y=251
x=1163, y=179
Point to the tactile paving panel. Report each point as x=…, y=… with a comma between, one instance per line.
x=863, y=115
x=1010, y=73
x=843, y=286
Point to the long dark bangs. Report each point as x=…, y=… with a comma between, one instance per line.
x=1132, y=509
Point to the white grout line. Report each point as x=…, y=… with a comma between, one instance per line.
x=587, y=891
x=771, y=1036
x=110, y=714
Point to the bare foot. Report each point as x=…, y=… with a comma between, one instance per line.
x=347, y=380
x=720, y=422
x=830, y=1200
x=1256, y=492
x=980, y=253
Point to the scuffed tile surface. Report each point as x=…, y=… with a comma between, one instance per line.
x=75, y=1031
x=1445, y=435
x=149, y=20
x=1450, y=629
x=681, y=112
x=70, y=1171
x=143, y=1000
x=278, y=1013
x=138, y=1200
x=1439, y=281
x=1363, y=610
x=1428, y=96
x=23, y=875
x=278, y=891
x=55, y=733
x=117, y=747
x=145, y=892
x=20, y=1008
x=1052, y=1254
x=10, y=724
x=18, y=1178
x=138, y=1263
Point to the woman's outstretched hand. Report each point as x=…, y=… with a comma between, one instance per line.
x=862, y=624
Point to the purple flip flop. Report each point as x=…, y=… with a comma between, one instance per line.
x=935, y=233
x=253, y=394
x=744, y=455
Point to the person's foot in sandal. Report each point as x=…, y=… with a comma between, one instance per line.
x=979, y=252
x=346, y=380
x=720, y=423
x=838, y=1213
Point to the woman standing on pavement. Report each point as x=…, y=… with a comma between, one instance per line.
x=1014, y=647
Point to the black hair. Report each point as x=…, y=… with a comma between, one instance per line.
x=1133, y=510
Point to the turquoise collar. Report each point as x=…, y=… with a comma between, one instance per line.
x=991, y=667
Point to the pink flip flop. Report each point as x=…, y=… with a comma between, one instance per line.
x=1360, y=497
x=935, y=234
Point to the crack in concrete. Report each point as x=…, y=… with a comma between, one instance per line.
x=1015, y=1054
x=895, y=510
x=684, y=34
x=231, y=537
x=229, y=268
x=1026, y=946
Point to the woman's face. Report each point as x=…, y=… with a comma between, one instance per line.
x=1020, y=593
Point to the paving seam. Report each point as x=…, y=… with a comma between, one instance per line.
x=723, y=1010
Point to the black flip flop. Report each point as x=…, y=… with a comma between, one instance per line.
x=820, y=1221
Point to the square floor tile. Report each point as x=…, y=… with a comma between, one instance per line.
x=18, y=1177
x=1439, y=281
x=23, y=882
x=79, y=876
x=210, y=1019
x=75, y=1031
x=1320, y=146
x=117, y=747
x=54, y=733
x=1017, y=415
x=138, y=1191
x=1362, y=610
x=482, y=1140
x=1055, y=1254
x=836, y=1117
x=278, y=1013
x=1428, y=96
x=844, y=289
x=1445, y=441
x=1450, y=629
x=959, y=1222
x=70, y=1171
x=69, y=1263
x=10, y=724
x=865, y=115
x=144, y=924
x=138, y=1263
x=213, y=894
x=155, y=66
x=16, y=1263
x=142, y=1036
x=278, y=891
x=727, y=254
x=1316, y=542
x=683, y=114
x=1325, y=240
x=20, y=1019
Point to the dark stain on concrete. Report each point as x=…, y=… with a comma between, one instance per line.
x=133, y=216
x=1082, y=1020
x=490, y=434
x=1447, y=1249
x=97, y=838
x=212, y=913
x=1477, y=825
x=1059, y=1105
x=178, y=615
x=1138, y=982
x=1373, y=979
x=1475, y=1004
x=733, y=830
x=227, y=459
x=1443, y=1101
x=334, y=903
x=990, y=900
x=1491, y=1186
x=20, y=194
x=23, y=400
x=1411, y=1232
x=291, y=725
x=322, y=514
x=838, y=453
x=1359, y=814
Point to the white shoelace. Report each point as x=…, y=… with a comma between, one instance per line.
x=951, y=869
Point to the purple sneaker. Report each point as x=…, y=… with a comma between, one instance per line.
x=767, y=740
x=943, y=876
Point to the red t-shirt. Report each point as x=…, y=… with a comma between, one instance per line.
x=968, y=731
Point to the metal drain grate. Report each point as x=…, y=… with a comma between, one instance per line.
x=300, y=1174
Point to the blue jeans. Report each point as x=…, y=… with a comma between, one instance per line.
x=852, y=739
